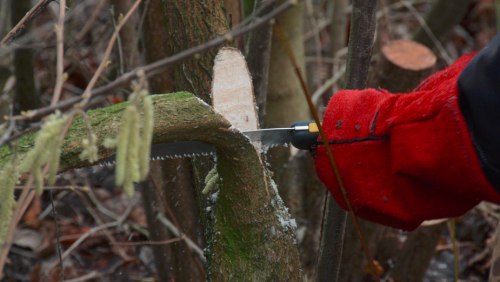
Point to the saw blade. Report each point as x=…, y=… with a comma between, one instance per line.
x=271, y=137
x=185, y=149
x=188, y=149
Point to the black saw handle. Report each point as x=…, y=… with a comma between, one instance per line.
x=305, y=135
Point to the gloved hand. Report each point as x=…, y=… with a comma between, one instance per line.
x=404, y=158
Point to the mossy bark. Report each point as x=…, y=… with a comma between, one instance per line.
x=253, y=238
x=189, y=24
x=174, y=178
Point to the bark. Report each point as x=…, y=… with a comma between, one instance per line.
x=312, y=197
x=360, y=43
x=354, y=262
x=338, y=37
x=442, y=17
x=258, y=52
x=338, y=28
x=178, y=190
x=154, y=36
x=234, y=11
x=417, y=253
x=334, y=218
x=254, y=237
x=174, y=177
x=190, y=23
x=4, y=12
x=26, y=96
x=332, y=241
x=207, y=20
x=497, y=12
x=495, y=260
x=157, y=232
x=5, y=99
x=403, y=65
x=358, y=62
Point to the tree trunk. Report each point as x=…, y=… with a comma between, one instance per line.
x=174, y=176
x=258, y=52
x=190, y=23
x=417, y=253
x=179, y=192
x=6, y=99
x=155, y=38
x=253, y=235
x=403, y=65
x=234, y=12
x=208, y=20
x=442, y=17
x=495, y=259
x=26, y=97
x=205, y=22
x=285, y=99
x=338, y=37
x=358, y=62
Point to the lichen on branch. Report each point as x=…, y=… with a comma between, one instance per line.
x=254, y=238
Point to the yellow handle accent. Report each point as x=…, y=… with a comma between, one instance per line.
x=313, y=127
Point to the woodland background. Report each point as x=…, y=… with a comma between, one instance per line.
x=87, y=199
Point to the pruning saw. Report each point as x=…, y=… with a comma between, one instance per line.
x=233, y=98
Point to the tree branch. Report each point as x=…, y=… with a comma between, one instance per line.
x=158, y=66
x=30, y=16
x=249, y=221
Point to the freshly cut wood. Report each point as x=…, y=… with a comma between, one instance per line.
x=232, y=90
x=403, y=65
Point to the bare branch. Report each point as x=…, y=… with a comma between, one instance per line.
x=60, y=53
x=30, y=16
x=152, y=68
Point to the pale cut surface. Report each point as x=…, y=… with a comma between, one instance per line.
x=232, y=90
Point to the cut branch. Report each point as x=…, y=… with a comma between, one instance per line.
x=249, y=221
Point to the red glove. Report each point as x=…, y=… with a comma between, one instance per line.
x=404, y=158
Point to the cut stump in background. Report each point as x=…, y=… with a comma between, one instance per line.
x=403, y=65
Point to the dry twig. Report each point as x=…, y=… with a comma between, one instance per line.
x=87, y=95
x=192, y=245
x=149, y=242
x=30, y=16
x=60, y=53
x=149, y=69
x=90, y=233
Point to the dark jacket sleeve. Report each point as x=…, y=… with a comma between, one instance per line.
x=479, y=86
